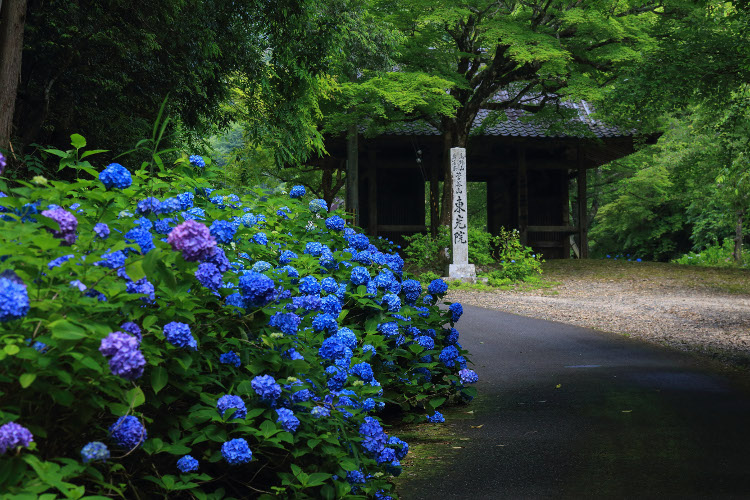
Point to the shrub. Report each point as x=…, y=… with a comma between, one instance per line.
x=181, y=337
x=518, y=262
x=715, y=256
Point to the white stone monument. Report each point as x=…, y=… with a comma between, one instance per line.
x=460, y=268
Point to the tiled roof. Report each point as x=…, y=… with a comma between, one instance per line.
x=515, y=126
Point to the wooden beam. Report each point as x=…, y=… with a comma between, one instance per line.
x=522, y=196
x=389, y=228
x=352, y=173
x=565, y=210
x=372, y=173
x=546, y=244
x=553, y=229
x=583, y=236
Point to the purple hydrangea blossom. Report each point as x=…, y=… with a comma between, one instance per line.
x=193, y=239
x=67, y=222
x=13, y=435
x=209, y=276
x=101, y=230
x=126, y=360
x=468, y=376
x=148, y=205
x=132, y=329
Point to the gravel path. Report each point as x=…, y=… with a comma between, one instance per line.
x=687, y=318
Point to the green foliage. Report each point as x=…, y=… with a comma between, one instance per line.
x=714, y=256
x=517, y=262
x=66, y=395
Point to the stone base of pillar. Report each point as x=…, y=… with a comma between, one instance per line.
x=463, y=272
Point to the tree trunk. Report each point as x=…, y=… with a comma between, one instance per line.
x=352, y=173
x=12, y=19
x=738, y=238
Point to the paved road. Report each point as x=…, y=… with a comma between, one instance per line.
x=628, y=420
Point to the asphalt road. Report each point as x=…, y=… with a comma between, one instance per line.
x=566, y=412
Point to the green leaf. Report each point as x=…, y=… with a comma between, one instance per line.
x=93, y=152
x=135, y=397
x=436, y=402
x=159, y=378
x=317, y=478
x=135, y=270
x=27, y=379
x=64, y=329
x=77, y=141
x=11, y=349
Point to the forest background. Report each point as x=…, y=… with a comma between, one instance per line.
x=259, y=85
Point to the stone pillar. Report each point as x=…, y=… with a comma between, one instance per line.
x=460, y=268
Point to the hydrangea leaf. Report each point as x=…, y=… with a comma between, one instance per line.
x=159, y=378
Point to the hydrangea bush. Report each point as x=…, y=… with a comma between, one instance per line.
x=159, y=334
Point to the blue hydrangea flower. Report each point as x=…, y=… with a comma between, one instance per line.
x=412, y=290
x=325, y=322
x=374, y=438
x=456, y=310
x=266, y=387
x=309, y=285
x=389, y=329
x=194, y=213
x=179, y=335
x=288, y=323
x=236, y=452
x=436, y=418
x=260, y=238
x=147, y=206
x=128, y=432
x=112, y=260
x=143, y=287
x=283, y=211
x=209, y=276
x=287, y=256
x=362, y=370
x=187, y=464
x=94, y=452
x=448, y=355
x=170, y=206
x=230, y=358
x=223, y=231
x=59, y=261
x=437, y=287
x=359, y=276
x=347, y=337
x=257, y=289
x=228, y=401
x=186, y=199
x=13, y=435
x=401, y=447
x=369, y=349
x=197, y=161
x=101, y=230
x=318, y=206
x=320, y=412
x=391, y=302
x=355, y=477
x=426, y=342
x=359, y=241
x=115, y=176
x=331, y=305
x=132, y=329
x=248, y=220
x=332, y=348
x=261, y=266
x=335, y=223
x=451, y=337
x=329, y=285
x=287, y=419
x=297, y=192
x=14, y=299
x=468, y=376
x=314, y=248
x=141, y=237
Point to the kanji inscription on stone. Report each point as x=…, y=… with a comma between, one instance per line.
x=460, y=268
